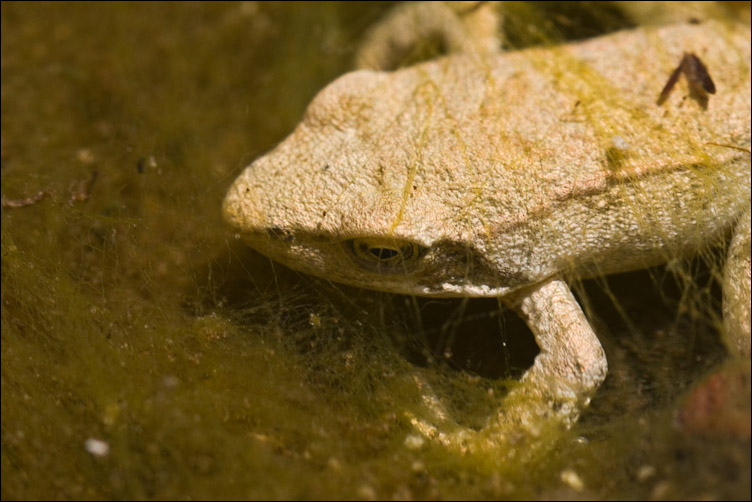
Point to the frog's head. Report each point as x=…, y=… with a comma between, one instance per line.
x=366, y=192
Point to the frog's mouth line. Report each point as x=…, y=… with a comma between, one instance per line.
x=444, y=269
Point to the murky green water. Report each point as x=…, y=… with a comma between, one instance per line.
x=146, y=354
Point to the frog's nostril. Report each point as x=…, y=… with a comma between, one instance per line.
x=241, y=208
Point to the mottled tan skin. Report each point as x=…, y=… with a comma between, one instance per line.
x=505, y=175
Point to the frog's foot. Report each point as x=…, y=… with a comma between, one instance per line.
x=437, y=427
x=551, y=394
x=528, y=416
x=419, y=30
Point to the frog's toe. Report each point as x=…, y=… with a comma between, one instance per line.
x=450, y=435
x=435, y=423
x=527, y=414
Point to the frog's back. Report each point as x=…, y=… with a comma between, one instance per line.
x=562, y=157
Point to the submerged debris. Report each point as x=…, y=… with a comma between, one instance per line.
x=81, y=189
x=719, y=406
x=97, y=447
x=26, y=201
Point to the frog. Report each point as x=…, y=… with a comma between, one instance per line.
x=511, y=174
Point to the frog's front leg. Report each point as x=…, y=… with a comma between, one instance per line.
x=567, y=372
x=571, y=364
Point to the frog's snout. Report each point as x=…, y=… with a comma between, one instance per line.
x=240, y=208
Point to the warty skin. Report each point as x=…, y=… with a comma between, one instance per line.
x=504, y=175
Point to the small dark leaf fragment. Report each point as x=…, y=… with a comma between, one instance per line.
x=698, y=78
x=698, y=75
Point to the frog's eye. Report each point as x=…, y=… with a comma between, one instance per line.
x=383, y=254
